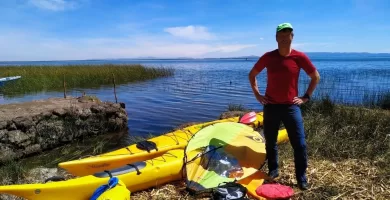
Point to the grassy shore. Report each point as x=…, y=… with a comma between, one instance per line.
x=348, y=147
x=349, y=152
x=51, y=78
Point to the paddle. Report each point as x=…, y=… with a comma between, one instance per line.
x=248, y=118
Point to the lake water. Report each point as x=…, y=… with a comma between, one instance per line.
x=201, y=90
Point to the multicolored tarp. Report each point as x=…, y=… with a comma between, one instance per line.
x=223, y=152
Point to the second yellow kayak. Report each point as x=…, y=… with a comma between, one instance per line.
x=142, y=150
x=136, y=176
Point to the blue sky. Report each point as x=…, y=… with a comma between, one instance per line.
x=99, y=29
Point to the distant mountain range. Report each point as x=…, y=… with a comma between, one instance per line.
x=310, y=54
x=344, y=54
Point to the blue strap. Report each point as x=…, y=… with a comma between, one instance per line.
x=111, y=183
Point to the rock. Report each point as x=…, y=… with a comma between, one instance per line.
x=23, y=123
x=32, y=149
x=32, y=132
x=97, y=109
x=122, y=116
x=113, y=105
x=85, y=114
x=17, y=137
x=33, y=127
x=3, y=135
x=7, y=152
x=11, y=126
x=59, y=112
x=45, y=114
x=3, y=124
x=110, y=111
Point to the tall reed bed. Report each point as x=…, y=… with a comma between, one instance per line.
x=368, y=88
x=51, y=78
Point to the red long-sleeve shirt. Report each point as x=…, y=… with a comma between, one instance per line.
x=283, y=74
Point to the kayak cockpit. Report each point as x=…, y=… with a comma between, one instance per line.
x=121, y=170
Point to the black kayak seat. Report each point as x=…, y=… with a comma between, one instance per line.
x=122, y=170
x=146, y=145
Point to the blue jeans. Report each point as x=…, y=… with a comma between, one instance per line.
x=291, y=117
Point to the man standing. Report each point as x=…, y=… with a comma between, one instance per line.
x=281, y=101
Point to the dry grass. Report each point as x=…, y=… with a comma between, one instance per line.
x=348, y=179
x=348, y=155
x=344, y=179
x=174, y=190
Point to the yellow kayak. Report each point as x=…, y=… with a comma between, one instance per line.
x=138, y=176
x=142, y=150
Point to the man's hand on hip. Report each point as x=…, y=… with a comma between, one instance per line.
x=299, y=100
x=262, y=99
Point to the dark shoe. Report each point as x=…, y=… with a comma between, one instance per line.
x=273, y=174
x=303, y=186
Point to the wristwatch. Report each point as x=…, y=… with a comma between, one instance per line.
x=306, y=96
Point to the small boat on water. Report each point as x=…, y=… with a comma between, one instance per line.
x=10, y=78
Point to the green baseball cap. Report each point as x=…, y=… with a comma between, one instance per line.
x=283, y=26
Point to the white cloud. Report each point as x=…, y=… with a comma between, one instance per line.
x=19, y=46
x=53, y=5
x=191, y=32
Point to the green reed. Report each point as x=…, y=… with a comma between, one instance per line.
x=364, y=88
x=51, y=78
